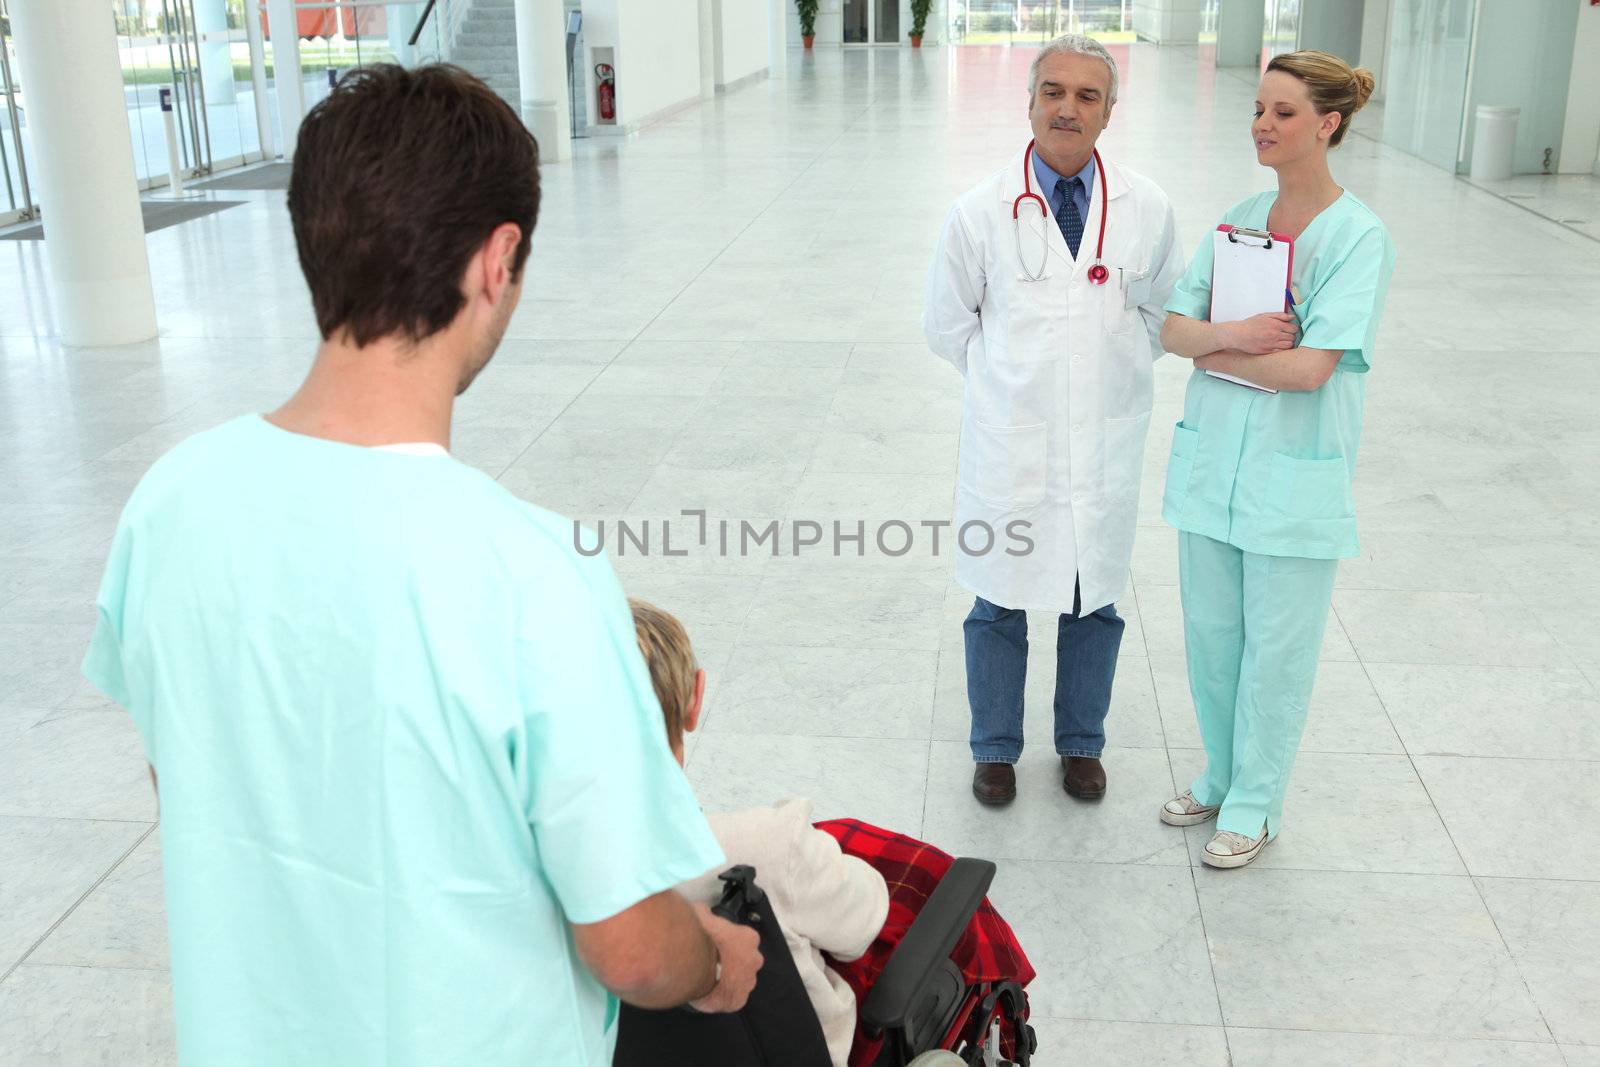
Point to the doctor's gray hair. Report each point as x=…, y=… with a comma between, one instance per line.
x=1077, y=44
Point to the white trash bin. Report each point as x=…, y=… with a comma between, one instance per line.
x=1494, y=142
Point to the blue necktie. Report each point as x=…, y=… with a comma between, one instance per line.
x=1067, y=218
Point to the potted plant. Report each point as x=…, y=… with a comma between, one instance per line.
x=919, y=20
x=808, y=19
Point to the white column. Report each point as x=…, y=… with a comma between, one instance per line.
x=258, y=78
x=1333, y=26
x=1241, y=26
x=542, y=73
x=1168, y=21
x=83, y=171
x=1580, y=135
x=710, y=21
x=777, y=37
x=285, y=30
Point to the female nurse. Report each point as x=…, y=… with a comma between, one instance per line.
x=1258, y=484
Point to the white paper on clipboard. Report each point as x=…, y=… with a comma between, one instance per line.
x=1251, y=275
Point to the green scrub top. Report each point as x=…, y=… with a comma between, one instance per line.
x=404, y=736
x=1270, y=473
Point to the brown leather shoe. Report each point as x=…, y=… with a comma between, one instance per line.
x=995, y=783
x=1083, y=777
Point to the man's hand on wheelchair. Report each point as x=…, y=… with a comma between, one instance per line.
x=739, y=951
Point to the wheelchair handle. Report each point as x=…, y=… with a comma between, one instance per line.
x=740, y=896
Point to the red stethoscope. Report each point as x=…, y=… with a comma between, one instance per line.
x=1099, y=272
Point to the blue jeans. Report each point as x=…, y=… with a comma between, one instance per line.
x=997, y=668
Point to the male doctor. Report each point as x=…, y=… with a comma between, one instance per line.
x=1050, y=306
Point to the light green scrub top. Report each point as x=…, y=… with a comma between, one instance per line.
x=1271, y=473
x=404, y=736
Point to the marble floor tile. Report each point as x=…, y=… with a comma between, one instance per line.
x=1110, y=941
x=871, y=613
x=121, y=923
x=1044, y=822
x=826, y=692
x=1312, y=1048
x=1346, y=812
x=1455, y=628
x=1532, y=712
x=46, y=865
x=54, y=1016
x=1519, y=818
x=1091, y=1043
x=1553, y=931
x=1385, y=953
x=881, y=781
x=78, y=765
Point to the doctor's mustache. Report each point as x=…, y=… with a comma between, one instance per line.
x=893, y=538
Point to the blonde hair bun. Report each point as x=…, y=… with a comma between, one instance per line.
x=1331, y=82
x=1366, y=81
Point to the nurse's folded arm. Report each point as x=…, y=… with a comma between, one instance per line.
x=1255, y=336
x=1299, y=370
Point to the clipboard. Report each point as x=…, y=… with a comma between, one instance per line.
x=1252, y=274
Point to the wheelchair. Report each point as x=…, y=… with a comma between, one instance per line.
x=922, y=1005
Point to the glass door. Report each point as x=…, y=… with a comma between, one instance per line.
x=198, y=50
x=871, y=21
x=18, y=201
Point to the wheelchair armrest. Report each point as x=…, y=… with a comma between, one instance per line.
x=943, y=919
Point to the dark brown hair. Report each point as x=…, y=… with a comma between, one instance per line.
x=399, y=176
x=1331, y=82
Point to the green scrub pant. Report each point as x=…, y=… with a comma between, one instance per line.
x=1253, y=628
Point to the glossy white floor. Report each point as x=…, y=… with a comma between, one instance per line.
x=723, y=314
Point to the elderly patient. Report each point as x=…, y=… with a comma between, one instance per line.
x=826, y=901
x=827, y=882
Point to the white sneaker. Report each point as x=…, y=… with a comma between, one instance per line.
x=1185, y=810
x=1228, y=849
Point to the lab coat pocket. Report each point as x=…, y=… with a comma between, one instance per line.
x=1137, y=293
x=1008, y=464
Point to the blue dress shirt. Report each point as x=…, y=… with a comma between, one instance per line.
x=1047, y=179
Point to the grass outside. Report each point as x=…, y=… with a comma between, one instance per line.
x=310, y=61
x=1013, y=37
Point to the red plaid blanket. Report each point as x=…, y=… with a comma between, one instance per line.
x=987, y=952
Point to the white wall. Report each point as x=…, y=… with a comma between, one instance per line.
x=741, y=39
x=1523, y=57
x=1332, y=26
x=1168, y=21
x=1580, y=137
x=1375, y=42
x=657, y=55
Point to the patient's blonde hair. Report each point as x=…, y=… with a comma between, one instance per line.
x=670, y=657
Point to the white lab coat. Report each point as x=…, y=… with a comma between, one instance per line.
x=1059, y=384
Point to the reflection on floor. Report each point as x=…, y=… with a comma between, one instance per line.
x=158, y=215
x=1573, y=200
x=736, y=329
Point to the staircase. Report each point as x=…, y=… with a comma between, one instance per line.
x=483, y=40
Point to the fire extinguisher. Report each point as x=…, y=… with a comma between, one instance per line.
x=607, y=91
